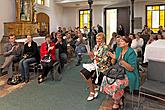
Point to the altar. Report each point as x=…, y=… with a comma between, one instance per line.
x=155, y=56
x=155, y=51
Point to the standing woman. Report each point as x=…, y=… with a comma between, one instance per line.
x=126, y=57
x=30, y=55
x=100, y=56
x=47, y=50
x=121, y=30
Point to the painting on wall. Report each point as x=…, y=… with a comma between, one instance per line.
x=25, y=10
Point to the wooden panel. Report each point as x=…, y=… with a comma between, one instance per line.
x=20, y=28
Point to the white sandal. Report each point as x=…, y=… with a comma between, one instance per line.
x=91, y=96
x=96, y=92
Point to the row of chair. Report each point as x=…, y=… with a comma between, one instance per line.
x=37, y=67
x=154, y=85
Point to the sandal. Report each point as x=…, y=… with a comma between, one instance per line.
x=122, y=102
x=39, y=77
x=91, y=96
x=96, y=92
x=116, y=105
x=40, y=80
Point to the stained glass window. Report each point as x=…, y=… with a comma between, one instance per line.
x=155, y=17
x=84, y=19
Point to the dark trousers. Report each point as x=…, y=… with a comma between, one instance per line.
x=46, y=69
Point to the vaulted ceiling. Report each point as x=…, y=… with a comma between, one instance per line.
x=78, y=3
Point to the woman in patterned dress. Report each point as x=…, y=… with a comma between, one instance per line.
x=100, y=57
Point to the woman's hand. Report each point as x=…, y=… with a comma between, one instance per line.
x=111, y=55
x=120, y=58
x=91, y=55
x=50, y=48
x=25, y=56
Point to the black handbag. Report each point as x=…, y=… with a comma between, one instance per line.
x=116, y=72
x=46, y=61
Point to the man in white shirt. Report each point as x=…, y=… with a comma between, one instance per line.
x=137, y=44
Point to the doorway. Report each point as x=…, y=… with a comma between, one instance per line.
x=113, y=18
x=43, y=24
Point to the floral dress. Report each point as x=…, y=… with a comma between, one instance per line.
x=101, y=57
x=116, y=90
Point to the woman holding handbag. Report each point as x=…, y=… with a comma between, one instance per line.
x=47, y=53
x=101, y=61
x=30, y=55
x=125, y=57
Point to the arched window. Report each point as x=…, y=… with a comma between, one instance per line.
x=155, y=17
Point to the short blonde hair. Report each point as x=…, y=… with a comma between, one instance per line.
x=100, y=34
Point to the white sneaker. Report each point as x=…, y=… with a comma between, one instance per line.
x=91, y=96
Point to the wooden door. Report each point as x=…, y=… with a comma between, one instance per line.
x=123, y=17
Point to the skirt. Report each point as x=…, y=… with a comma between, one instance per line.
x=87, y=74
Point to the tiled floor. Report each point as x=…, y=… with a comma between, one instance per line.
x=5, y=88
x=146, y=103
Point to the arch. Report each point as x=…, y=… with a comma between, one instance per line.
x=43, y=23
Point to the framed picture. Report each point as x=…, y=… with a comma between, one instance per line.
x=25, y=10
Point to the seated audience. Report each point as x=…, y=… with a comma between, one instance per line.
x=126, y=57
x=30, y=55
x=100, y=57
x=160, y=31
x=70, y=46
x=113, y=43
x=53, y=36
x=137, y=44
x=159, y=36
x=131, y=36
x=60, y=44
x=163, y=35
x=151, y=39
x=80, y=47
x=59, y=29
x=47, y=50
x=12, y=53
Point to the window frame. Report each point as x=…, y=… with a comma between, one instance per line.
x=88, y=16
x=152, y=17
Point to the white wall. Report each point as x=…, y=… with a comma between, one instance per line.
x=98, y=17
x=55, y=13
x=140, y=11
x=71, y=16
x=139, y=8
x=7, y=14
